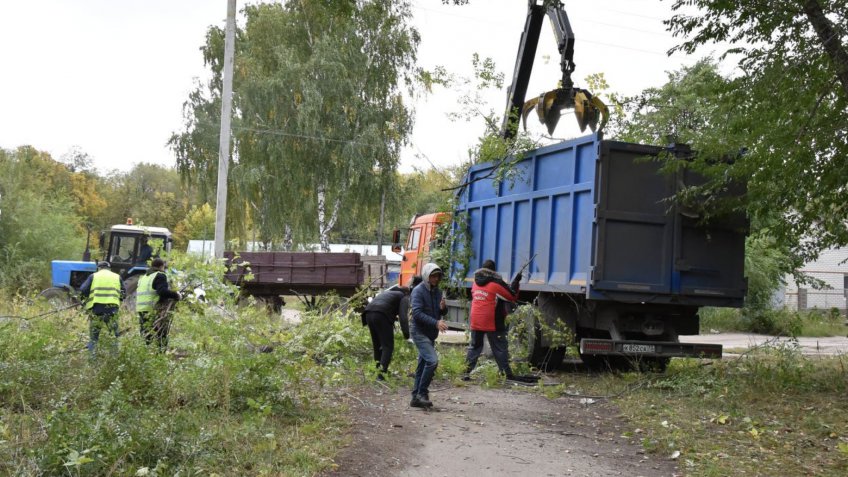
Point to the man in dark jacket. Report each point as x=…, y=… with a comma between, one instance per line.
x=488, y=318
x=428, y=306
x=380, y=315
x=154, y=303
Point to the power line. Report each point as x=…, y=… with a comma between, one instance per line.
x=278, y=132
x=579, y=39
x=622, y=27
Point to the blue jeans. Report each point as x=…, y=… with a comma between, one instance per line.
x=428, y=361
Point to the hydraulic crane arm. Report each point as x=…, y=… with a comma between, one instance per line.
x=588, y=109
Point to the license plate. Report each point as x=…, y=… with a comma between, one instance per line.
x=638, y=348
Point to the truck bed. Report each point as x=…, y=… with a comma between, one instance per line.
x=594, y=218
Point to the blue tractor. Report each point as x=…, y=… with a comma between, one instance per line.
x=127, y=248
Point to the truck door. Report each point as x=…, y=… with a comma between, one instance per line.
x=709, y=252
x=634, y=233
x=411, y=255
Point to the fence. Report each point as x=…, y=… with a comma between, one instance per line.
x=805, y=299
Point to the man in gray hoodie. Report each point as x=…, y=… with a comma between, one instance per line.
x=428, y=306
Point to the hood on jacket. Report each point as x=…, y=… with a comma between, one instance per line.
x=427, y=271
x=483, y=276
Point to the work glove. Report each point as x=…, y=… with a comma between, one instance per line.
x=515, y=282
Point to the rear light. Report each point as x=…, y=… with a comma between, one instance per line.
x=595, y=346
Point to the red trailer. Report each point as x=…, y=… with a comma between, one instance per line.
x=269, y=275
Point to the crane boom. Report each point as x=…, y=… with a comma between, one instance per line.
x=588, y=108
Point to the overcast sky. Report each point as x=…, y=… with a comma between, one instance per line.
x=110, y=76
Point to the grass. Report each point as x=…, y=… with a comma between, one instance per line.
x=212, y=407
x=815, y=323
x=215, y=406
x=772, y=412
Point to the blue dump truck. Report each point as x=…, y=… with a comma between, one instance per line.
x=610, y=253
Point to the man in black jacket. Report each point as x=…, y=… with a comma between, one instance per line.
x=154, y=300
x=380, y=316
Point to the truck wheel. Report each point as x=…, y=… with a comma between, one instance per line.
x=57, y=297
x=537, y=355
x=556, y=357
x=657, y=365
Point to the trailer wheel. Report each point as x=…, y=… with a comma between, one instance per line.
x=57, y=297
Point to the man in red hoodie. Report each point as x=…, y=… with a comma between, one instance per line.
x=488, y=319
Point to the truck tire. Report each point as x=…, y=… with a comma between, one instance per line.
x=58, y=298
x=542, y=354
x=656, y=365
x=537, y=354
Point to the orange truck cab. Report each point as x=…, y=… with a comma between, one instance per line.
x=420, y=237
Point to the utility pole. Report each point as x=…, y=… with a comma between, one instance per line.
x=226, y=116
x=380, y=231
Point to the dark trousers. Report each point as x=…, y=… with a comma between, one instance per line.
x=382, y=338
x=155, y=325
x=102, y=317
x=500, y=349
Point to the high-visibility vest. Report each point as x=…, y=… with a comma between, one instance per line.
x=105, y=289
x=146, y=297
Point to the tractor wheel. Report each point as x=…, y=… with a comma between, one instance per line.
x=58, y=298
x=130, y=287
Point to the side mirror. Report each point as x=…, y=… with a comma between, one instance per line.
x=102, y=240
x=396, y=247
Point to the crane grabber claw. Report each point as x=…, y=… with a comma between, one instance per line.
x=589, y=110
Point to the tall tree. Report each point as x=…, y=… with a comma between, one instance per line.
x=318, y=100
x=787, y=107
x=149, y=194
x=199, y=224
x=35, y=227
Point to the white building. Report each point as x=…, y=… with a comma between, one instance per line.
x=832, y=269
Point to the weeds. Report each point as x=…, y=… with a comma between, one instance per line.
x=780, y=322
x=773, y=412
x=212, y=404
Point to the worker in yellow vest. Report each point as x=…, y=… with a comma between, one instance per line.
x=102, y=293
x=154, y=303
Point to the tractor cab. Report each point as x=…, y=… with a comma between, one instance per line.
x=129, y=248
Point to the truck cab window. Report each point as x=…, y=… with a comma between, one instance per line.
x=414, y=239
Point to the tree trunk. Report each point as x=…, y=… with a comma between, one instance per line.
x=831, y=40
x=326, y=224
x=380, y=227
x=288, y=241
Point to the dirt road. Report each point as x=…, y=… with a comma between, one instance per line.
x=492, y=432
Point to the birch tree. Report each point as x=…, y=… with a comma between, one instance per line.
x=319, y=107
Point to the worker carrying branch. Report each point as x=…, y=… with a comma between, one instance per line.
x=590, y=111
